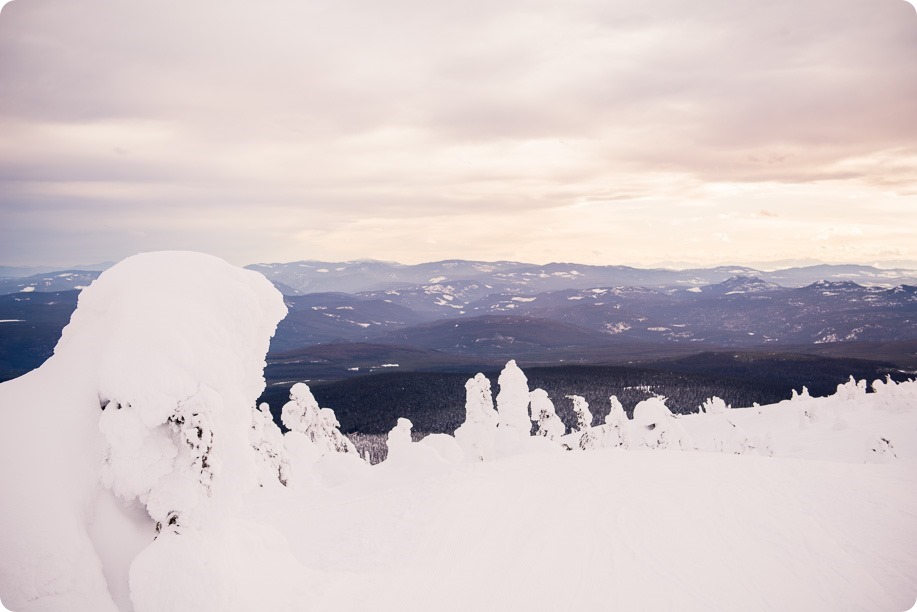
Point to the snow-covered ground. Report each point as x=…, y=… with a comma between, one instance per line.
x=137, y=473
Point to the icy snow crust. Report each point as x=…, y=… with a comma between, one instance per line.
x=182, y=495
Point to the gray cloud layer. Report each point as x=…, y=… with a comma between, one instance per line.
x=590, y=130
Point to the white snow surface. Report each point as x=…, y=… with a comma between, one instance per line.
x=807, y=504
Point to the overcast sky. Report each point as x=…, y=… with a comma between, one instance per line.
x=597, y=131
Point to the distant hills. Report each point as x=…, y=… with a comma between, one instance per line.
x=516, y=277
x=740, y=311
x=351, y=318
x=476, y=279
x=61, y=280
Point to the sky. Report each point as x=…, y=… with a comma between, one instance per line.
x=593, y=131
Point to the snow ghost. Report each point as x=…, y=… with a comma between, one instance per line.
x=654, y=426
x=547, y=423
x=852, y=389
x=178, y=342
x=615, y=428
x=587, y=438
x=267, y=440
x=399, y=438
x=476, y=435
x=514, y=424
x=513, y=399
x=714, y=405
x=149, y=397
x=303, y=416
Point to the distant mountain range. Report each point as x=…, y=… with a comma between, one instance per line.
x=738, y=312
x=477, y=279
x=23, y=271
x=515, y=277
x=460, y=312
x=61, y=280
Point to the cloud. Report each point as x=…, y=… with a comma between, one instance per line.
x=330, y=115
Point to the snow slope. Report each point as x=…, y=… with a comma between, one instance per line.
x=809, y=520
x=137, y=474
x=618, y=530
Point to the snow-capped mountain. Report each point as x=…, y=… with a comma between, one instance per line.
x=518, y=277
x=507, y=312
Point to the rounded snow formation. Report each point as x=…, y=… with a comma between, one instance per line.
x=160, y=326
x=547, y=423
x=302, y=415
x=399, y=438
x=479, y=403
x=654, y=426
x=513, y=399
x=179, y=340
x=476, y=435
x=149, y=396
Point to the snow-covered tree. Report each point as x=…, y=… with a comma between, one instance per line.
x=654, y=426
x=547, y=423
x=267, y=440
x=721, y=434
x=714, y=405
x=587, y=438
x=808, y=410
x=303, y=415
x=399, y=438
x=330, y=425
x=615, y=428
x=851, y=389
x=890, y=394
x=476, y=435
x=513, y=400
x=479, y=402
x=881, y=387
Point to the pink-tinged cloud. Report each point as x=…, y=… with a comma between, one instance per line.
x=415, y=130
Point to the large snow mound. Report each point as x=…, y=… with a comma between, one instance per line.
x=138, y=423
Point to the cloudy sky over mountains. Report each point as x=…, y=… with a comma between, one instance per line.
x=594, y=131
